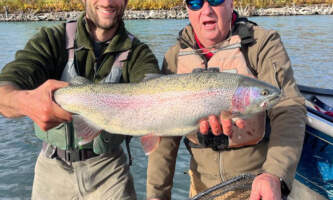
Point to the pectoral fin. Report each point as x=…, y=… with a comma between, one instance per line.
x=150, y=142
x=85, y=130
x=193, y=137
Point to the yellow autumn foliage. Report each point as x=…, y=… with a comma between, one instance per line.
x=70, y=5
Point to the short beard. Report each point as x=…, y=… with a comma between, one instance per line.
x=93, y=19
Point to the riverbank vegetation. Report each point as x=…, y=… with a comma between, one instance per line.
x=71, y=5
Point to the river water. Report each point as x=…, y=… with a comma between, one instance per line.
x=308, y=40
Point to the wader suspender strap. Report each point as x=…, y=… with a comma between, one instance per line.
x=127, y=141
x=116, y=70
x=247, y=39
x=118, y=64
x=114, y=77
x=70, y=38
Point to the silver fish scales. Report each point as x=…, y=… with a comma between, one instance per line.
x=170, y=105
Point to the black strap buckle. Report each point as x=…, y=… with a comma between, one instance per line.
x=72, y=156
x=210, y=69
x=75, y=155
x=217, y=143
x=284, y=190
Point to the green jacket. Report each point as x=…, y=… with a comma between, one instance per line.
x=279, y=156
x=44, y=57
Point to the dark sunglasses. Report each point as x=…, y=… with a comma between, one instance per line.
x=197, y=4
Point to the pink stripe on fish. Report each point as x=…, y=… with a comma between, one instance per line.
x=129, y=102
x=241, y=99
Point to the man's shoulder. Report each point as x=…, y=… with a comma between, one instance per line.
x=259, y=31
x=134, y=42
x=133, y=38
x=253, y=34
x=256, y=30
x=55, y=31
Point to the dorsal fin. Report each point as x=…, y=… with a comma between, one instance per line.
x=79, y=80
x=152, y=76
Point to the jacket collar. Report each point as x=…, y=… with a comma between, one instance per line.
x=186, y=38
x=119, y=42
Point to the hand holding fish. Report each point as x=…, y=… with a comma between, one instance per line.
x=36, y=104
x=224, y=126
x=39, y=106
x=42, y=109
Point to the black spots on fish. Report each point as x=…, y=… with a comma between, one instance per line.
x=249, y=133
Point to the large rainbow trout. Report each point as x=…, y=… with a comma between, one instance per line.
x=170, y=105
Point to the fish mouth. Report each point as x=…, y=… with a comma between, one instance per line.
x=270, y=102
x=275, y=98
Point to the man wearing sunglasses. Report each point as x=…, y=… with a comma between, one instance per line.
x=218, y=40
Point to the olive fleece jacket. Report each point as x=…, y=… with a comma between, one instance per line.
x=44, y=57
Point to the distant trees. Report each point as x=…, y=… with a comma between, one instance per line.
x=40, y=5
x=70, y=5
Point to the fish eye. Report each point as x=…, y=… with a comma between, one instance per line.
x=264, y=92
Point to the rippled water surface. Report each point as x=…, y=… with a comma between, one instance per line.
x=308, y=40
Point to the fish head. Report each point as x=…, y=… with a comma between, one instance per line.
x=253, y=96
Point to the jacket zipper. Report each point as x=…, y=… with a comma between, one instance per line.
x=220, y=167
x=96, y=67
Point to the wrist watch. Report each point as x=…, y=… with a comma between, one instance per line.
x=284, y=189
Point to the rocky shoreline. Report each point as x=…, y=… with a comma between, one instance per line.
x=177, y=13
